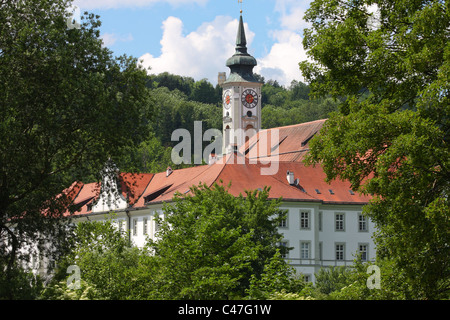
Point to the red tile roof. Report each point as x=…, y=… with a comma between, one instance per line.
x=244, y=173
x=292, y=145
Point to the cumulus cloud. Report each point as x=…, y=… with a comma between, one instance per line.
x=113, y=4
x=203, y=52
x=199, y=54
x=109, y=39
x=292, y=13
x=281, y=63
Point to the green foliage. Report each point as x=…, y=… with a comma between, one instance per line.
x=277, y=277
x=331, y=279
x=111, y=268
x=173, y=110
x=150, y=156
x=66, y=105
x=211, y=243
x=19, y=284
x=390, y=136
x=60, y=291
x=286, y=106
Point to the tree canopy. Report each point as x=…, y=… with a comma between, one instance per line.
x=66, y=105
x=390, y=60
x=210, y=242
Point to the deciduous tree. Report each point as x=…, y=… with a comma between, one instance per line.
x=211, y=243
x=390, y=59
x=66, y=105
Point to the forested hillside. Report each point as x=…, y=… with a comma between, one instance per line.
x=181, y=100
x=177, y=102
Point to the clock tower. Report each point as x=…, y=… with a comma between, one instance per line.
x=241, y=96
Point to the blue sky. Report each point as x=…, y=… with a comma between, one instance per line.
x=195, y=37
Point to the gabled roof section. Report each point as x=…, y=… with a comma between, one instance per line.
x=132, y=187
x=293, y=142
x=179, y=180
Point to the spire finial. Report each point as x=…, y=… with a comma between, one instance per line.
x=240, y=1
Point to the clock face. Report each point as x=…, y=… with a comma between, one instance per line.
x=249, y=98
x=227, y=99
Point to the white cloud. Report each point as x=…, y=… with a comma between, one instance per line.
x=203, y=52
x=292, y=13
x=281, y=63
x=199, y=54
x=113, y=4
x=109, y=39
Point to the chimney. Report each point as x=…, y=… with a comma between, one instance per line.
x=212, y=158
x=290, y=177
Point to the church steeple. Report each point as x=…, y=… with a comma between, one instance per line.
x=241, y=41
x=241, y=96
x=241, y=63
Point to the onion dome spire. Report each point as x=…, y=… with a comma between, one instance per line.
x=241, y=63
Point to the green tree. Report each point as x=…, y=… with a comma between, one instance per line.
x=203, y=91
x=66, y=105
x=390, y=138
x=149, y=156
x=332, y=279
x=211, y=243
x=111, y=268
x=277, y=277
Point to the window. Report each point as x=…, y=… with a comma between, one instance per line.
x=320, y=220
x=340, y=251
x=120, y=225
x=320, y=251
x=135, y=227
x=304, y=250
x=339, y=219
x=362, y=223
x=363, y=251
x=283, y=223
x=304, y=220
x=145, y=226
x=307, y=277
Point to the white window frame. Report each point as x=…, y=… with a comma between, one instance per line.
x=339, y=251
x=341, y=226
x=306, y=250
x=363, y=221
x=145, y=226
x=135, y=228
x=366, y=251
x=305, y=220
x=283, y=223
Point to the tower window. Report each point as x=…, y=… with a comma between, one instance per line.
x=249, y=113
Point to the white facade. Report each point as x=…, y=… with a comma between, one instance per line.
x=320, y=235
x=324, y=235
